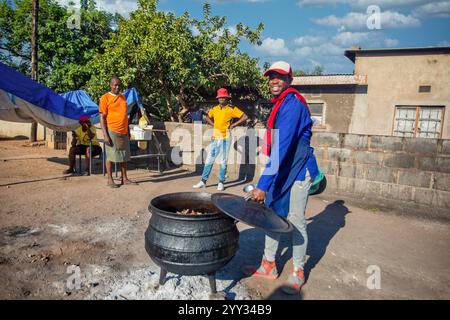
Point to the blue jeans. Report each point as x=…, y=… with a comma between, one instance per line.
x=217, y=146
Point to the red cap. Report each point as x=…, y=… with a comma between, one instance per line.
x=222, y=93
x=84, y=118
x=280, y=67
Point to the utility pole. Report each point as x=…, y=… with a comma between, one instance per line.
x=34, y=58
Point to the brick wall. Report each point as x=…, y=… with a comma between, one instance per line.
x=407, y=174
x=386, y=170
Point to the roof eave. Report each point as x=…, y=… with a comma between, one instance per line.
x=351, y=53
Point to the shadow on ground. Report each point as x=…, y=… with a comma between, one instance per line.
x=321, y=229
x=13, y=138
x=97, y=163
x=279, y=294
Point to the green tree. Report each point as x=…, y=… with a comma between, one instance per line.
x=317, y=71
x=63, y=52
x=175, y=59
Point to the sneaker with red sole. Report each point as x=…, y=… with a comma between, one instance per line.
x=295, y=282
x=267, y=270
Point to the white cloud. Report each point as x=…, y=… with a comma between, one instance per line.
x=347, y=38
x=219, y=33
x=364, y=39
x=227, y=1
x=387, y=3
x=123, y=7
x=274, y=47
x=437, y=9
x=305, y=3
x=362, y=4
x=358, y=21
x=303, y=52
x=308, y=40
x=353, y=20
x=391, y=19
x=330, y=50
x=325, y=49
x=232, y=30
x=194, y=30
x=444, y=43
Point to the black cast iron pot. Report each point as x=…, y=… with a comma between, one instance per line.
x=190, y=244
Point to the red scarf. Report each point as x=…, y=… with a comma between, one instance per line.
x=267, y=141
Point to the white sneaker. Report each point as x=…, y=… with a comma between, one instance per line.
x=220, y=186
x=199, y=185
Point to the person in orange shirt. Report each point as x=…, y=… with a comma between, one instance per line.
x=114, y=122
x=220, y=118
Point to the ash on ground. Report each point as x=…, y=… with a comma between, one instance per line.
x=142, y=284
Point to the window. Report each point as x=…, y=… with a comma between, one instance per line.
x=424, y=88
x=418, y=121
x=317, y=113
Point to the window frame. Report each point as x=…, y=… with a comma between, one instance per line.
x=324, y=108
x=418, y=109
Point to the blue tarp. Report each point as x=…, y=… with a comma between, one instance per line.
x=25, y=100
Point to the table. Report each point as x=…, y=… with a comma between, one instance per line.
x=158, y=155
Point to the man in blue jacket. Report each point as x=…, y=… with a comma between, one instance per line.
x=286, y=180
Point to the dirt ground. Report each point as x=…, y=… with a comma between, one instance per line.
x=54, y=227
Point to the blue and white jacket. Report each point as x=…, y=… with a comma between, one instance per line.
x=291, y=154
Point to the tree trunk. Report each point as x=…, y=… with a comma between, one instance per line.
x=34, y=58
x=184, y=106
x=168, y=96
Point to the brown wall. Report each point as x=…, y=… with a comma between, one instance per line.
x=394, y=80
x=338, y=102
x=14, y=129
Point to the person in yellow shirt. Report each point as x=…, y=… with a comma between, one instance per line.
x=81, y=139
x=114, y=122
x=220, y=118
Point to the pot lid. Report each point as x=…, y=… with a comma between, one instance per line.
x=252, y=213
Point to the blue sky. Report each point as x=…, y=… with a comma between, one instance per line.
x=307, y=33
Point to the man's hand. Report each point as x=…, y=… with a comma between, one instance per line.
x=103, y=123
x=241, y=120
x=209, y=121
x=258, y=195
x=108, y=140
